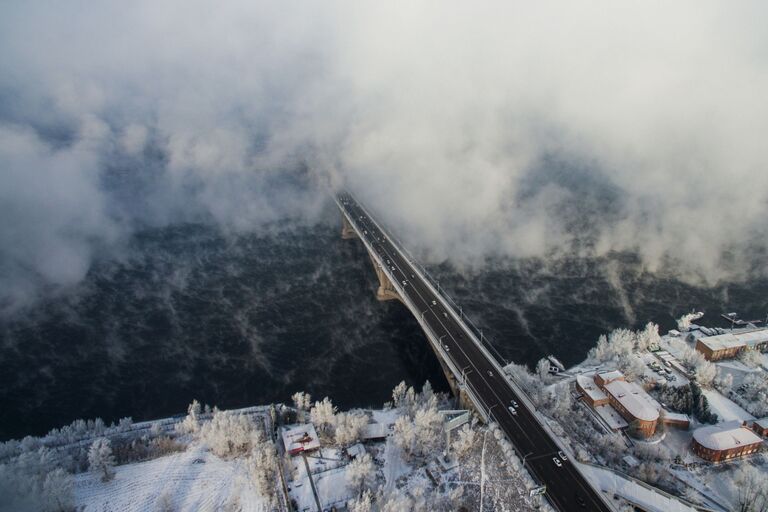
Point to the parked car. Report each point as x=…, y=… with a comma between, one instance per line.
x=557, y=462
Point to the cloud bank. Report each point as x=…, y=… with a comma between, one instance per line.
x=499, y=129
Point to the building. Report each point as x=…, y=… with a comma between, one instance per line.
x=634, y=405
x=629, y=400
x=603, y=378
x=725, y=441
x=592, y=394
x=729, y=345
x=300, y=438
x=761, y=426
x=674, y=419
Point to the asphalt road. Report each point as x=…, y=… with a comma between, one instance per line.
x=567, y=489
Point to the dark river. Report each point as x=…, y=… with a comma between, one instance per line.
x=240, y=319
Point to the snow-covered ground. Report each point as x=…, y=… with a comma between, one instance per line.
x=639, y=494
x=725, y=409
x=193, y=480
x=327, y=468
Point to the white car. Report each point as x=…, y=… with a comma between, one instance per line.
x=490, y=373
x=562, y=455
x=557, y=462
x=512, y=410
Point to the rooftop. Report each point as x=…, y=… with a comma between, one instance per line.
x=724, y=436
x=634, y=399
x=300, y=438
x=762, y=422
x=611, y=375
x=735, y=340
x=590, y=388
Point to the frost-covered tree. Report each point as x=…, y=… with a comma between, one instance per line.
x=349, y=427
x=360, y=473
x=427, y=394
x=57, y=491
x=648, y=337
x=101, y=460
x=751, y=489
x=302, y=402
x=751, y=358
x=404, y=397
x=363, y=503
x=228, y=433
x=395, y=501
x=404, y=434
x=323, y=415
x=465, y=440
x=632, y=366
x=262, y=466
x=191, y=422
x=542, y=369
x=398, y=394
x=125, y=424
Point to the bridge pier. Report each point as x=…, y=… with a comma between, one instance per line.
x=386, y=290
x=347, y=231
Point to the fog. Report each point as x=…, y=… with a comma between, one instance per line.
x=498, y=130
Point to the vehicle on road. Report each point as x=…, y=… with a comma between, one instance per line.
x=514, y=404
x=580, y=501
x=557, y=462
x=490, y=373
x=562, y=455
x=512, y=410
x=434, y=303
x=446, y=348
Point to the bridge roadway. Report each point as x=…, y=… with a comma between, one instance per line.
x=566, y=488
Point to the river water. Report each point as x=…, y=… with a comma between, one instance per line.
x=236, y=319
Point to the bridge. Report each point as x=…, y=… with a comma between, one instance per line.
x=474, y=375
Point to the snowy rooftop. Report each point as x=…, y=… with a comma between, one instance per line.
x=676, y=416
x=611, y=417
x=375, y=431
x=762, y=422
x=590, y=388
x=733, y=340
x=634, y=399
x=611, y=375
x=729, y=434
x=300, y=438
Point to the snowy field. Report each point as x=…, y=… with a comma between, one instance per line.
x=194, y=480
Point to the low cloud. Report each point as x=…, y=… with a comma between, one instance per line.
x=501, y=129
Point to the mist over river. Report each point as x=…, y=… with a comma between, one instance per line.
x=235, y=319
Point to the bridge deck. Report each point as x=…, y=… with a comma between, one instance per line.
x=476, y=371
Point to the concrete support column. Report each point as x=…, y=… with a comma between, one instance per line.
x=386, y=290
x=347, y=231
